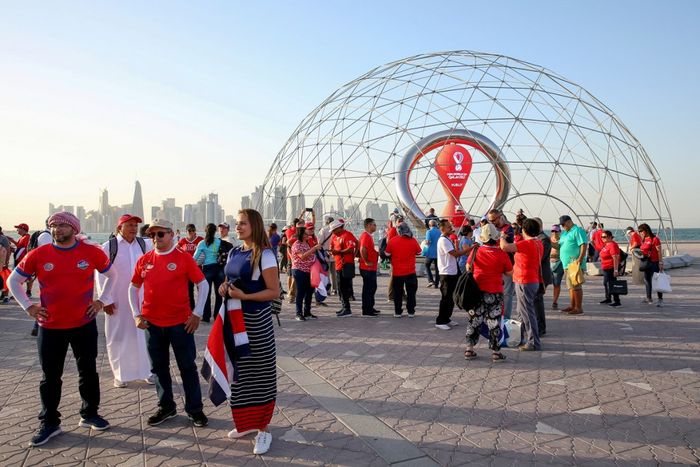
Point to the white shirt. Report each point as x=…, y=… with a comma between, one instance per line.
x=447, y=264
x=324, y=235
x=44, y=238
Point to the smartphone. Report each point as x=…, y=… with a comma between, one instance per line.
x=309, y=210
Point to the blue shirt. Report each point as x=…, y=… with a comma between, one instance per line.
x=210, y=252
x=432, y=235
x=462, y=260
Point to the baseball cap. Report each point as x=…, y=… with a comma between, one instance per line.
x=22, y=226
x=309, y=225
x=127, y=218
x=224, y=225
x=162, y=223
x=564, y=219
x=556, y=228
x=629, y=229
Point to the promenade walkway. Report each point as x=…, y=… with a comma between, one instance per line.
x=611, y=387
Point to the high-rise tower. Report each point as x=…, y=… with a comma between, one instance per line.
x=137, y=205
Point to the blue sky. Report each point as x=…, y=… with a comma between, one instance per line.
x=95, y=94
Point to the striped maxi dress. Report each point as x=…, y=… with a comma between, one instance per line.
x=253, y=395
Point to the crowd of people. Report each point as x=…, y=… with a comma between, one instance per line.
x=156, y=287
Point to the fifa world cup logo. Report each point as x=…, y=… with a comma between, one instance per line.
x=453, y=165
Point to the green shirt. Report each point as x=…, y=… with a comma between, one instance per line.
x=570, y=246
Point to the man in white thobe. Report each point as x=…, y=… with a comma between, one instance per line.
x=126, y=344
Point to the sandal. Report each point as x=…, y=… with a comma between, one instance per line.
x=470, y=355
x=497, y=357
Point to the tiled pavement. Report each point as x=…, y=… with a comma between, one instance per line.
x=612, y=387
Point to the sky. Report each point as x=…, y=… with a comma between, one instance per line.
x=198, y=97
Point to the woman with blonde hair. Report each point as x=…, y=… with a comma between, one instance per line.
x=253, y=278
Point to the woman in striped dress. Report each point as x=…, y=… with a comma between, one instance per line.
x=253, y=278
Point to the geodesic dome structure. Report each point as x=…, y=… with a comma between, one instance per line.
x=553, y=147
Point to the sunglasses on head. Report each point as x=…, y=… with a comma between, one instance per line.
x=159, y=234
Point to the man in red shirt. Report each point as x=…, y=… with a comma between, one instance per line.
x=166, y=316
x=368, y=268
x=343, y=247
x=66, y=316
x=403, y=249
x=21, y=249
x=188, y=244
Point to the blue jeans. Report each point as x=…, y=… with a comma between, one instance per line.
x=304, y=292
x=159, y=340
x=429, y=262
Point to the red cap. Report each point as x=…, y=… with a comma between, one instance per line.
x=309, y=225
x=127, y=218
x=22, y=226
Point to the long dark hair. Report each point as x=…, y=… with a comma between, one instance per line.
x=647, y=230
x=210, y=231
x=300, y=233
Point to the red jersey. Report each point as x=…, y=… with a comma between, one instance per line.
x=403, y=251
x=609, y=250
x=164, y=278
x=66, y=277
x=635, y=240
x=527, y=261
x=650, y=248
x=597, y=239
x=21, y=249
x=189, y=246
x=341, y=242
x=367, y=241
x=490, y=264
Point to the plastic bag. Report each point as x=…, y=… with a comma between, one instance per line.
x=661, y=282
x=575, y=274
x=424, y=248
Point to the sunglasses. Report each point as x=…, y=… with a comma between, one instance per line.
x=159, y=234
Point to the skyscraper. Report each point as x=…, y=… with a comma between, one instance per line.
x=104, y=202
x=137, y=204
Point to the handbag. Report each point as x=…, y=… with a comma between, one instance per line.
x=467, y=293
x=618, y=287
x=661, y=282
x=348, y=271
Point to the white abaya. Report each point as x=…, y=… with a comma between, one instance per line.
x=126, y=344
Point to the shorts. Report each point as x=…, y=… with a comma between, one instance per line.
x=571, y=286
x=557, y=273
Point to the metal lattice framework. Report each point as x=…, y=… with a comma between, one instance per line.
x=566, y=151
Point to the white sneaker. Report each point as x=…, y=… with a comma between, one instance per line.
x=444, y=327
x=234, y=434
x=453, y=323
x=119, y=384
x=262, y=442
x=151, y=379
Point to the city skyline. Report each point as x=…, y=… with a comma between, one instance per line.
x=104, y=218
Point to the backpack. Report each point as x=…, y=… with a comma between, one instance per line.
x=114, y=247
x=467, y=293
x=34, y=239
x=382, y=249
x=222, y=255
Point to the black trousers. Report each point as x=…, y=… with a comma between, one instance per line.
x=214, y=275
x=648, y=275
x=304, y=292
x=447, y=303
x=539, y=312
x=411, y=283
x=53, y=347
x=345, y=283
x=608, y=278
x=369, y=288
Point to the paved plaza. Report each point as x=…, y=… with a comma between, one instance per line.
x=611, y=387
